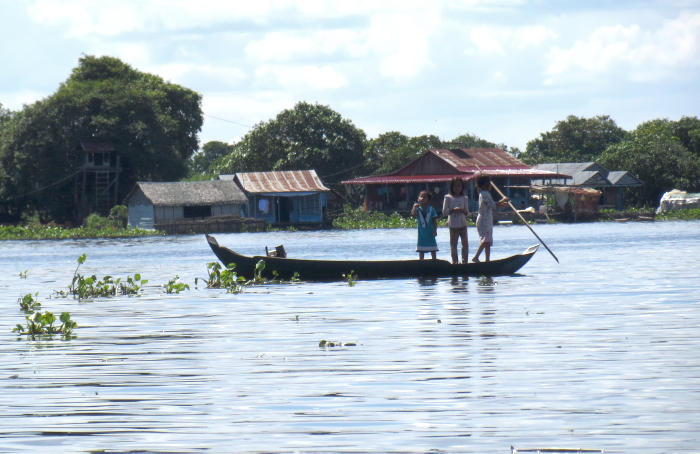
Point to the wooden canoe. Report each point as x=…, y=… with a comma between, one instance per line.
x=331, y=270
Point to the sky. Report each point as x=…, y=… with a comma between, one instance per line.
x=503, y=70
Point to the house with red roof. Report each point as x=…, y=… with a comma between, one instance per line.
x=434, y=169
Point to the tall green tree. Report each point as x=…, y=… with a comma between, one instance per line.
x=687, y=129
x=469, y=141
x=152, y=124
x=392, y=150
x=575, y=139
x=202, y=162
x=309, y=136
x=657, y=155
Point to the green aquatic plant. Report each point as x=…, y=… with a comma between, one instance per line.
x=351, y=278
x=228, y=278
x=53, y=232
x=84, y=287
x=219, y=277
x=358, y=218
x=174, y=286
x=42, y=324
x=23, y=274
x=29, y=303
x=132, y=286
x=688, y=214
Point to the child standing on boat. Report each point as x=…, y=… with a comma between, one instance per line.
x=455, y=206
x=484, y=220
x=427, y=225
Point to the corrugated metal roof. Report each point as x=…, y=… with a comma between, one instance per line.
x=189, y=193
x=492, y=162
x=623, y=178
x=494, y=173
x=391, y=179
x=473, y=159
x=281, y=181
x=590, y=174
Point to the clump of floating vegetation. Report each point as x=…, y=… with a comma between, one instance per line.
x=42, y=324
x=95, y=226
x=227, y=278
x=330, y=344
x=54, y=232
x=175, y=286
x=351, y=278
x=83, y=287
x=358, y=218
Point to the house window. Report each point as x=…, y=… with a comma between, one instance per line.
x=309, y=204
x=197, y=211
x=264, y=205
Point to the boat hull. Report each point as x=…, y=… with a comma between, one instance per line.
x=330, y=270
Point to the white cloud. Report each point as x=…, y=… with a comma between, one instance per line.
x=321, y=77
x=290, y=46
x=402, y=41
x=629, y=51
x=501, y=41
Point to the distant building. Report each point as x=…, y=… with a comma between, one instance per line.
x=287, y=197
x=433, y=171
x=152, y=205
x=611, y=184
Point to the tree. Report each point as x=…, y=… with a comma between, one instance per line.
x=152, y=124
x=469, y=141
x=574, y=140
x=687, y=129
x=202, y=163
x=309, y=136
x=654, y=153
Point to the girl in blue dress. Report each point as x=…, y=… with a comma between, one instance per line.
x=427, y=225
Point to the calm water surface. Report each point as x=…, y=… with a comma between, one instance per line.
x=601, y=351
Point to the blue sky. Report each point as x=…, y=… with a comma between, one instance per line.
x=504, y=70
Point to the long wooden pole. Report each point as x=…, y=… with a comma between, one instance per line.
x=524, y=221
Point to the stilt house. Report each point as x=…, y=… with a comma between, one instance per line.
x=433, y=171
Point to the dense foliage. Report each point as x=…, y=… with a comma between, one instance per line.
x=203, y=163
x=309, y=136
x=54, y=232
x=574, y=140
x=663, y=154
x=152, y=124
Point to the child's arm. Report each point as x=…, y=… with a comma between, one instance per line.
x=413, y=210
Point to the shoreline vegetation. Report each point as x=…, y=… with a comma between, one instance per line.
x=349, y=219
x=96, y=226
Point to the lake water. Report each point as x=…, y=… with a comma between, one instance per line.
x=600, y=351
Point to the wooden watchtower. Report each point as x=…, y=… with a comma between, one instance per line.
x=97, y=189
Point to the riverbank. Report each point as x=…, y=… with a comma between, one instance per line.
x=357, y=218
x=349, y=219
x=53, y=232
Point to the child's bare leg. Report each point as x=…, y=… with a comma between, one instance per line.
x=433, y=255
x=478, y=252
x=487, y=251
x=465, y=246
x=454, y=235
x=421, y=255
